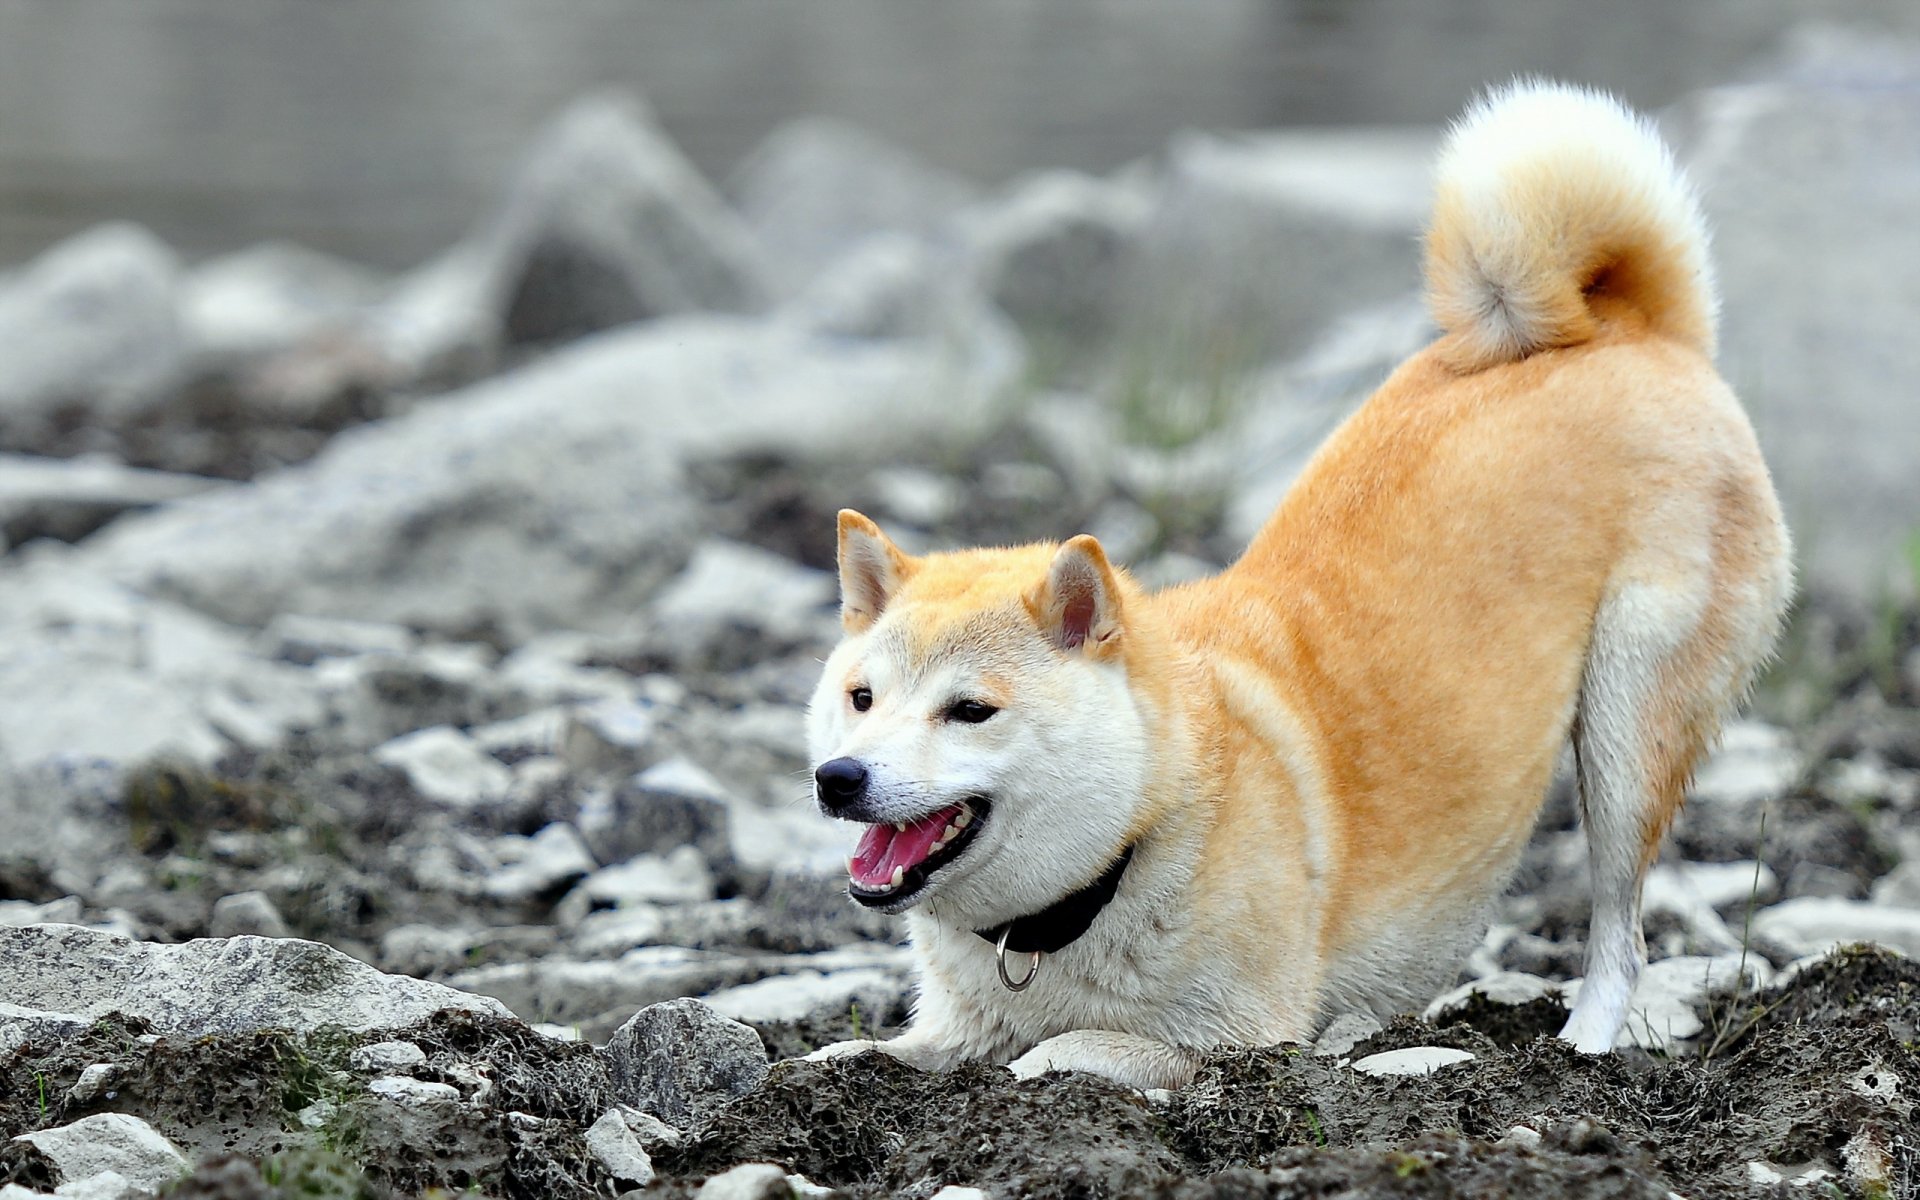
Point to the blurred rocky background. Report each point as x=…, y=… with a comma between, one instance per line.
x=420, y=430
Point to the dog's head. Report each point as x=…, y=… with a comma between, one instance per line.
x=978, y=720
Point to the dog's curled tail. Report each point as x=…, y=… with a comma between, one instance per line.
x=1547, y=198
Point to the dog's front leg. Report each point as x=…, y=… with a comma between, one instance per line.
x=1126, y=1058
x=917, y=1047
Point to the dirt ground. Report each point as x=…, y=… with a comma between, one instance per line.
x=1818, y=1074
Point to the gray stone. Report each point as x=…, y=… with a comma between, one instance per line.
x=93, y=1083
x=94, y=322
x=447, y=767
x=246, y=913
x=1502, y=987
x=388, y=1057
x=1055, y=254
x=673, y=803
x=1345, y=1032
x=1341, y=209
x=651, y=1130
x=1414, y=1060
x=1812, y=924
x=65, y=911
x=269, y=298
x=610, y=735
x=107, y=1185
x=306, y=640
x=608, y=223
x=1753, y=762
x=436, y=519
x=68, y=498
x=1664, y=1013
x=610, y=1140
x=212, y=985
x=681, y=876
x=730, y=590
x=409, y=1092
x=1796, y=175
x=92, y=670
x=793, y=997
x=748, y=1181
x=681, y=1059
x=108, y=1142
x=817, y=188
x=1898, y=888
x=541, y=865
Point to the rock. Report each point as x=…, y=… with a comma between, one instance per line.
x=447, y=767
x=609, y=735
x=387, y=1057
x=1341, y=209
x=652, y=1132
x=65, y=911
x=674, y=803
x=409, y=1092
x=541, y=865
x=1794, y=172
x=1753, y=762
x=678, y=877
x=739, y=603
x=93, y=1083
x=817, y=188
x=1345, y=1032
x=954, y=1191
x=306, y=640
x=1812, y=924
x=680, y=1059
x=1664, y=1013
x=619, y=1151
x=68, y=498
x=108, y=1142
x=794, y=997
x=233, y=985
x=436, y=519
x=269, y=298
x=1414, y=1060
x=1693, y=891
x=93, y=323
x=608, y=223
x=1055, y=255
x=897, y=287
x=1899, y=888
x=748, y=1181
x=246, y=913
x=1504, y=987
x=75, y=648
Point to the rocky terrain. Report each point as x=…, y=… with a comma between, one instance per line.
x=401, y=679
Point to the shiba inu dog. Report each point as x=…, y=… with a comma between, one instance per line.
x=1128, y=826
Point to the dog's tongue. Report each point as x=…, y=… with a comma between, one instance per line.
x=883, y=848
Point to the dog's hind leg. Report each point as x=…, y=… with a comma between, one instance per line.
x=1675, y=647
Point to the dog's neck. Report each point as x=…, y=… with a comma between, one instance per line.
x=1061, y=923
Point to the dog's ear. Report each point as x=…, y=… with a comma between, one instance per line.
x=1079, y=604
x=872, y=569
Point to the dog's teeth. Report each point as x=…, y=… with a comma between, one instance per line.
x=948, y=834
x=899, y=876
x=899, y=826
x=964, y=819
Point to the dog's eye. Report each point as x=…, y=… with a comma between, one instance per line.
x=971, y=711
x=862, y=699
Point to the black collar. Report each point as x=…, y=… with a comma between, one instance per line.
x=1059, y=924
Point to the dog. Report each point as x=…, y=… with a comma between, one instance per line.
x=1128, y=827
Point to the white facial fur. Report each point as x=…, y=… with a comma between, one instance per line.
x=1062, y=765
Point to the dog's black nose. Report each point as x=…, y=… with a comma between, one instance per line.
x=841, y=781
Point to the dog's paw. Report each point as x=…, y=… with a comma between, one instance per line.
x=842, y=1050
x=1033, y=1064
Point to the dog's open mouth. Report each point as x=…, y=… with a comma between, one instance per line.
x=892, y=862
